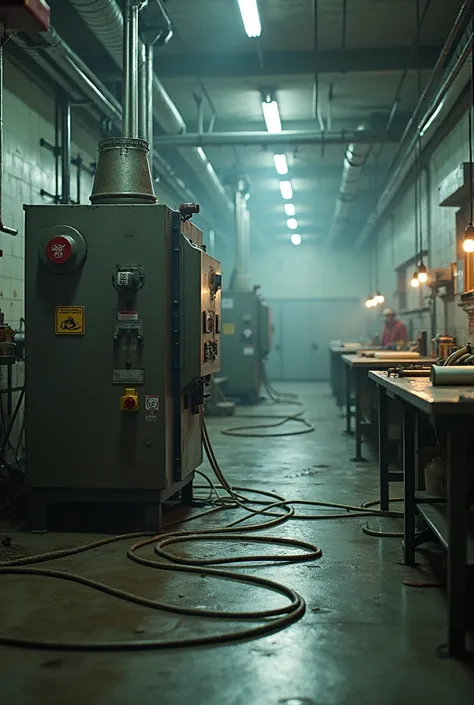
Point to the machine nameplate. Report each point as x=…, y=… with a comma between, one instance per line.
x=248, y=350
x=70, y=320
x=124, y=376
x=227, y=303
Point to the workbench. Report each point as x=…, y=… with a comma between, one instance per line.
x=447, y=518
x=357, y=371
x=337, y=376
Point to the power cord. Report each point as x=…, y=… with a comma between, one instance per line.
x=272, y=507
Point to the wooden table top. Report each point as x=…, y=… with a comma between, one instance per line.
x=373, y=363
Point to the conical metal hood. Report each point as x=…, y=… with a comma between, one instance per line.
x=123, y=172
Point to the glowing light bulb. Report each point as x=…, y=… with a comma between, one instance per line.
x=468, y=243
x=422, y=274
x=379, y=298
x=414, y=280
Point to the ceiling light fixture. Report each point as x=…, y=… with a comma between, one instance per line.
x=292, y=223
x=295, y=239
x=379, y=298
x=415, y=282
x=289, y=209
x=281, y=165
x=250, y=17
x=431, y=120
x=271, y=113
x=370, y=301
x=286, y=190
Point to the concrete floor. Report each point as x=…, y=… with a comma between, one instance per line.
x=365, y=639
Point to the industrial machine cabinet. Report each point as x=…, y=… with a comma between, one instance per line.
x=123, y=311
x=246, y=342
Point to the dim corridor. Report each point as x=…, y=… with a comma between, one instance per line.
x=366, y=638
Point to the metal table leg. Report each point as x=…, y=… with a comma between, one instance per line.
x=457, y=485
x=409, y=451
x=358, y=375
x=383, y=447
x=348, y=399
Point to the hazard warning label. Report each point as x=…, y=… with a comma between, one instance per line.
x=70, y=320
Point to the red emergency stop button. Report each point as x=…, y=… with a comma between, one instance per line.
x=59, y=249
x=130, y=403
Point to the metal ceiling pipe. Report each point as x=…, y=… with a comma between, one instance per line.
x=240, y=280
x=403, y=159
x=130, y=69
x=354, y=161
x=83, y=83
x=142, y=95
x=104, y=19
x=285, y=137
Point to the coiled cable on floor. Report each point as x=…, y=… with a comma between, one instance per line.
x=272, y=508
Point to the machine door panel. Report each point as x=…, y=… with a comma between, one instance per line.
x=303, y=332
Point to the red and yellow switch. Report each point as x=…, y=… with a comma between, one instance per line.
x=129, y=400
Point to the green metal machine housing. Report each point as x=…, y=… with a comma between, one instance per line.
x=123, y=311
x=246, y=342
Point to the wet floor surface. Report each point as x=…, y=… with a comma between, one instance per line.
x=365, y=639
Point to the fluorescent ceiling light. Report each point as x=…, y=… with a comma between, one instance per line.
x=289, y=209
x=201, y=152
x=286, y=190
x=431, y=120
x=292, y=223
x=295, y=239
x=271, y=114
x=250, y=17
x=281, y=164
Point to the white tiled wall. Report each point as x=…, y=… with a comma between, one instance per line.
x=396, y=236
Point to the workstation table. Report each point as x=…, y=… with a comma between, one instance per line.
x=337, y=377
x=357, y=373
x=447, y=518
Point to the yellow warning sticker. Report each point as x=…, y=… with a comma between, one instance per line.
x=228, y=328
x=70, y=320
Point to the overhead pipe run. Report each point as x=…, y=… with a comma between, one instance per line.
x=240, y=280
x=453, y=82
x=285, y=137
x=354, y=161
x=104, y=19
x=3, y=228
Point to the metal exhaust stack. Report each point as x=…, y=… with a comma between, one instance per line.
x=123, y=171
x=240, y=280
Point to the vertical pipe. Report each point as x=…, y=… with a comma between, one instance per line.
x=133, y=95
x=3, y=228
x=238, y=211
x=65, y=151
x=143, y=95
x=212, y=242
x=245, y=237
x=149, y=56
x=126, y=130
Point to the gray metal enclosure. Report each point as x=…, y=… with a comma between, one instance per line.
x=303, y=330
x=158, y=340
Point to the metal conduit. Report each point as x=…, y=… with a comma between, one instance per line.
x=104, y=19
x=57, y=59
x=354, y=161
x=454, y=82
x=285, y=137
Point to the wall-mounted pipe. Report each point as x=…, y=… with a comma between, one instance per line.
x=285, y=137
x=3, y=228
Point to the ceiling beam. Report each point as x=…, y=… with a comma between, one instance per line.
x=294, y=63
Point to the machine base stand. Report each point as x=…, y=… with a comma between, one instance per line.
x=153, y=518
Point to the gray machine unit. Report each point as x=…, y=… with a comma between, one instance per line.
x=123, y=310
x=246, y=342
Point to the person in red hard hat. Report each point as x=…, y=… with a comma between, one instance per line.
x=394, y=334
